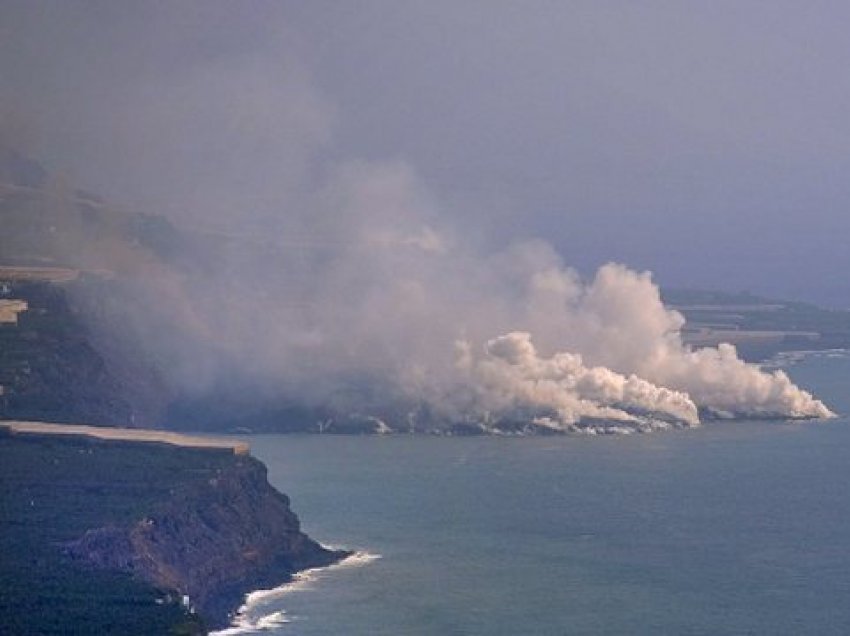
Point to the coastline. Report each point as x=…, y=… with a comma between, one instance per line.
x=180, y=532
x=249, y=618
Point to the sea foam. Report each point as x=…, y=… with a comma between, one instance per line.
x=250, y=617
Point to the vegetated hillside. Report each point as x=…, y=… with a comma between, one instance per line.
x=138, y=335
x=52, y=368
x=74, y=355
x=51, y=492
x=107, y=537
x=144, y=336
x=106, y=316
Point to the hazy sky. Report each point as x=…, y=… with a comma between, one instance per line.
x=706, y=141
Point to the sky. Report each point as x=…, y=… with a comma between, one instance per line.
x=706, y=142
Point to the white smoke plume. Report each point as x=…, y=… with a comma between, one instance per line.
x=650, y=379
x=620, y=322
x=564, y=393
x=384, y=295
x=344, y=283
x=372, y=306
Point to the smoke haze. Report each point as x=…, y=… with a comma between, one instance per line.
x=335, y=279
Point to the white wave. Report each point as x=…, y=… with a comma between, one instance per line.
x=355, y=560
x=249, y=618
x=246, y=625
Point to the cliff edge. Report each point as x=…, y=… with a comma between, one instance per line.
x=105, y=536
x=211, y=541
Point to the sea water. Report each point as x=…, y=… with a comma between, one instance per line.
x=732, y=528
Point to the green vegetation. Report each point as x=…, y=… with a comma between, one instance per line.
x=51, y=492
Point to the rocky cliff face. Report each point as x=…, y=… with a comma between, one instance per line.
x=213, y=540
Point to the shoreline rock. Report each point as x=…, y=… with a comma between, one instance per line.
x=212, y=541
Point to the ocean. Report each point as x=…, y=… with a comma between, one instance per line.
x=732, y=528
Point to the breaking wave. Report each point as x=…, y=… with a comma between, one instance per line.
x=251, y=617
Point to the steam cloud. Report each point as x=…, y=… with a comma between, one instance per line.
x=370, y=305
x=349, y=285
x=563, y=393
x=381, y=310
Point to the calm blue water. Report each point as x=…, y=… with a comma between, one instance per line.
x=735, y=528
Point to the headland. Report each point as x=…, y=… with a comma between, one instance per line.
x=115, y=531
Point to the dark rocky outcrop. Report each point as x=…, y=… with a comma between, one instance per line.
x=213, y=540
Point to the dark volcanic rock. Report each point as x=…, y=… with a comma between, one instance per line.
x=213, y=541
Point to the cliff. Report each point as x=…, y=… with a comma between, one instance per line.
x=212, y=541
x=105, y=537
